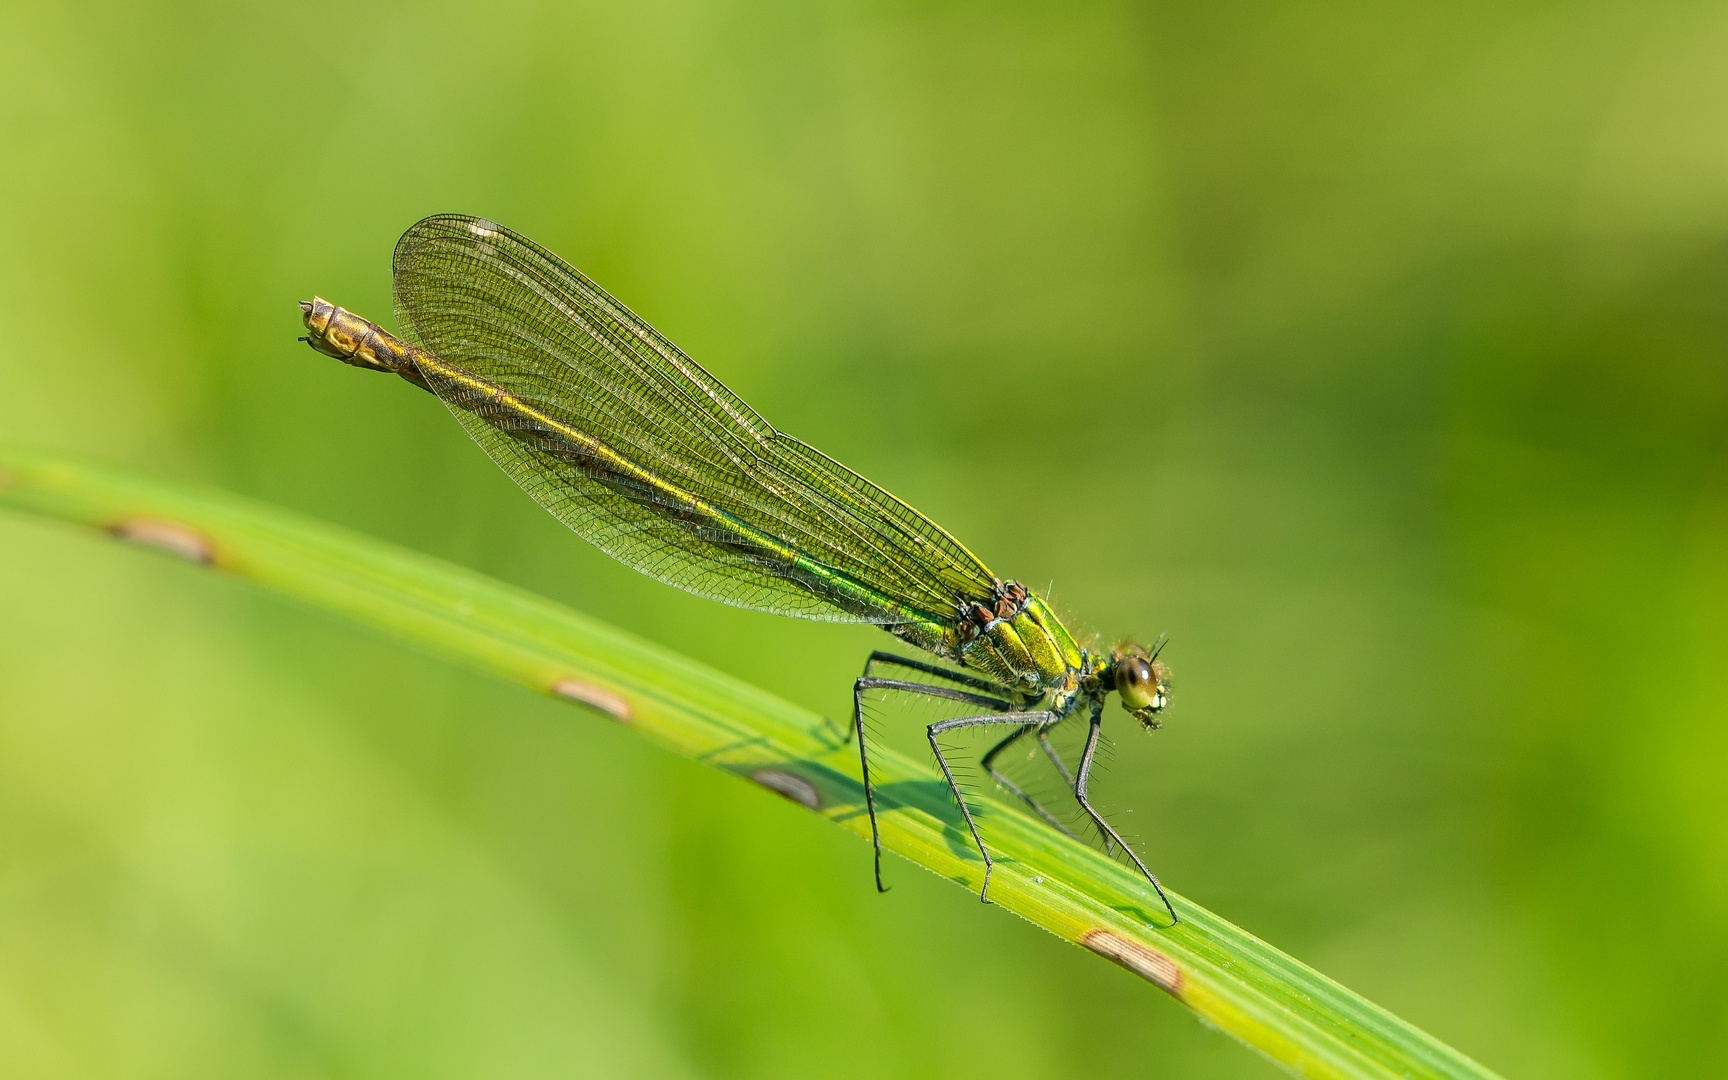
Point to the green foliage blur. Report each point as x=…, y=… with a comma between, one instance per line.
x=1376, y=352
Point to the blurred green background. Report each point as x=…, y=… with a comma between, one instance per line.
x=1374, y=351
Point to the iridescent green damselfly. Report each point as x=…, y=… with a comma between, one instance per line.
x=646, y=455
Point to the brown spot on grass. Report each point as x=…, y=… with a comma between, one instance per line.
x=181, y=541
x=790, y=785
x=593, y=697
x=1153, y=966
x=7, y=477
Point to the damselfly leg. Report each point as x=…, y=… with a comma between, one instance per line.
x=1005, y=711
x=1043, y=735
x=1004, y=705
x=1080, y=783
x=868, y=682
x=1037, y=719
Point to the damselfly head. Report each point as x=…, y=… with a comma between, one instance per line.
x=1143, y=682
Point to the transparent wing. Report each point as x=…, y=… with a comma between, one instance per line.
x=639, y=450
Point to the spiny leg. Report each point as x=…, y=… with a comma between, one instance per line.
x=864, y=768
x=988, y=762
x=1035, y=719
x=997, y=690
x=960, y=678
x=868, y=682
x=1086, y=805
x=1067, y=778
x=1055, y=758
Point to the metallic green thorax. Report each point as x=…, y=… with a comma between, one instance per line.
x=1019, y=642
x=1010, y=636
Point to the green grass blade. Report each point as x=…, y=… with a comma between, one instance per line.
x=1280, y=1007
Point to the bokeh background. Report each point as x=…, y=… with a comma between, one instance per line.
x=1376, y=352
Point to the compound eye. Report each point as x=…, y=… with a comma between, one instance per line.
x=1137, y=683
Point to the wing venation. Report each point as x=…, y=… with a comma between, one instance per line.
x=642, y=452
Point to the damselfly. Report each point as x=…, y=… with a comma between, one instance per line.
x=646, y=455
